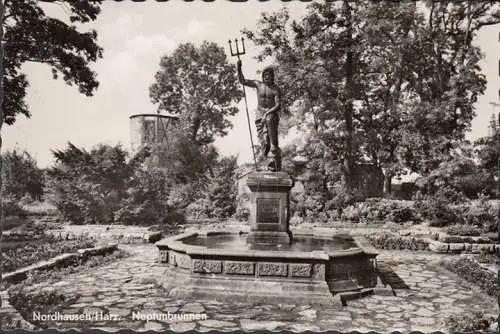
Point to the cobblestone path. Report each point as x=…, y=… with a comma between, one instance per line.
x=425, y=294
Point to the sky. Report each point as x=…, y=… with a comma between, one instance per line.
x=134, y=37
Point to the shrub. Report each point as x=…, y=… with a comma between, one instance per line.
x=147, y=200
x=463, y=230
x=489, y=258
x=476, y=183
x=11, y=222
x=222, y=190
x=482, y=215
x=380, y=210
x=88, y=187
x=353, y=214
x=391, y=241
x=471, y=271
x=13, y=209
x=21, y=176
x=399, y=215
x=460, y=178
x=467, y=323
x=100, y=186
x=28, y=303
x=450, y=195
x=438, y=210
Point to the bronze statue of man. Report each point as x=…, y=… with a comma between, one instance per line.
x=267, y=114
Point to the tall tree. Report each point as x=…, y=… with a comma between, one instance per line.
x=32, y=36
x=199, y=85
x=27, y=34
x=449, y=81
x=2, y=94
x=331, y=63
x=363, y=94
x=21, y=176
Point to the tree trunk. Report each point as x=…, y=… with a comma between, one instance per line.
x=348, y=105
x=387, y=184
x=2, y=12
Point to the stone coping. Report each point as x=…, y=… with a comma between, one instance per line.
x=450, y=238
x=176, y=243
x=438, y=246
x=265, y=181
x=459, y=247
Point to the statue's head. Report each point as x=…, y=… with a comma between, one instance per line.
x=268, y=75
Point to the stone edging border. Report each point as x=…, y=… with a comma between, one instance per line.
x=461, y=247
x=437, y=246
x=444, y=237
x=58, y=261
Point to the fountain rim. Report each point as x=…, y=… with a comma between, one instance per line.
x=175, y=243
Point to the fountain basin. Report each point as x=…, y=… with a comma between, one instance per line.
x=314, y=268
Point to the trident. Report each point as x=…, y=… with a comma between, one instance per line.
x=239, y=53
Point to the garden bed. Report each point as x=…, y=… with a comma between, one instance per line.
x=63, y=260
x=20, y=253
x=469, y=269
x=471, y=323
x=397, y=241
x=122, y=234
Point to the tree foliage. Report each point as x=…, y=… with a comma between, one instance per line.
x=449, y=81
x=219, y=196
x=202, y=182
x=32, y=36
x=461, y=174
x=88, y=187
x=103, y=186
x=379, y=82
x=21, y=176
x=182, y=159
x=199, y=85
x=487, y=149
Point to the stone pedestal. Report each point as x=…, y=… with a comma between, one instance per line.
x=269, y=209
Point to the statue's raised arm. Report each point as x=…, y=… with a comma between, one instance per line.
x=241, y=77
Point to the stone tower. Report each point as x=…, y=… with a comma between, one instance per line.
x=149, y=129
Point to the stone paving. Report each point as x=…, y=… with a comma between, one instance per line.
x=427, y=293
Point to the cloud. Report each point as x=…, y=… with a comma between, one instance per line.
x=132, y=55
x=139, y=54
